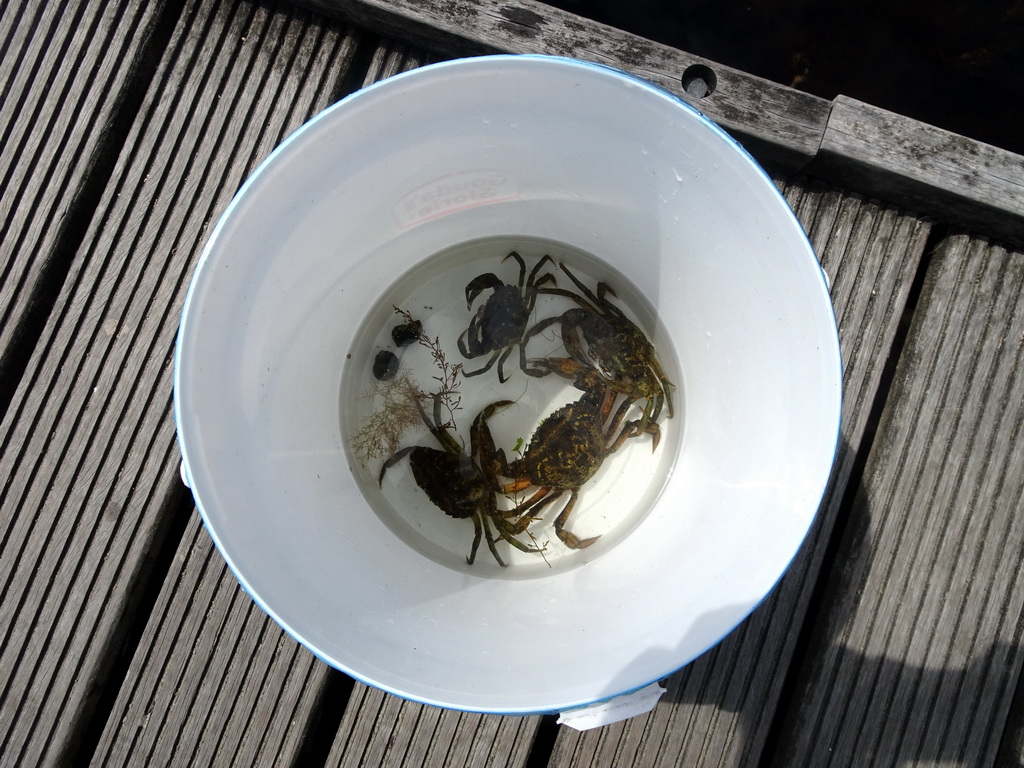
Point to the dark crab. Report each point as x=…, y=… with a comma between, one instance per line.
x=499, y=323
x=606, y=350
x=460, y=487
x=565, y=451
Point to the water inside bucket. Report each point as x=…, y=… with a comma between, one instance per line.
x=413, y=378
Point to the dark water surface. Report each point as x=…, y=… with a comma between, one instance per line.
x=956, y=64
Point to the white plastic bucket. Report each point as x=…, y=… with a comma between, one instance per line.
x=540, y=147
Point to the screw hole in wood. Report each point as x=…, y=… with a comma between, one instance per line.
x=699, y=81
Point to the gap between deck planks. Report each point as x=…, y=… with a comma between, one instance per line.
x=69, y=73
x=923, y=646
x=89, y=448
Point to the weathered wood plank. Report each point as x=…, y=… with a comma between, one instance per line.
x=88, y=448
x=781, y=126
x=391, y=57
x=383, y=730
x=214, y=681
x=922, y=647
x=950, y=177
x=64, y=72
x=718, y=710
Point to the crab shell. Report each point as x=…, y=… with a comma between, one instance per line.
x=567, y=448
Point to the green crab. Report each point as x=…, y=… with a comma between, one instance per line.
x=499, y=323
x=606, y=350
x=565, y=451
x=462, y=488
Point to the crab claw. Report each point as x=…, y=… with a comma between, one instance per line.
x=480, y=284
x=572, y=541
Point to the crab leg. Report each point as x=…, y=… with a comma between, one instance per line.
x=570, y=539
x=442, y=435
x=533, y=283
x=392, y=461
x=666, y=385
x=546, y=322
x=534, y=506
x=518, y=485
x=509, y=534
x=522, y=267
x=487, y=366
x=481, y=443
x=602, y=290
x=572, y=296
x=635, y=429
x=502, y=378
x=646, y=423
x=477, y=533
x=595, y=302
x=490, y=539
x=523, y=507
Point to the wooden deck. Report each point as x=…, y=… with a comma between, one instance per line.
x=896, y=638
